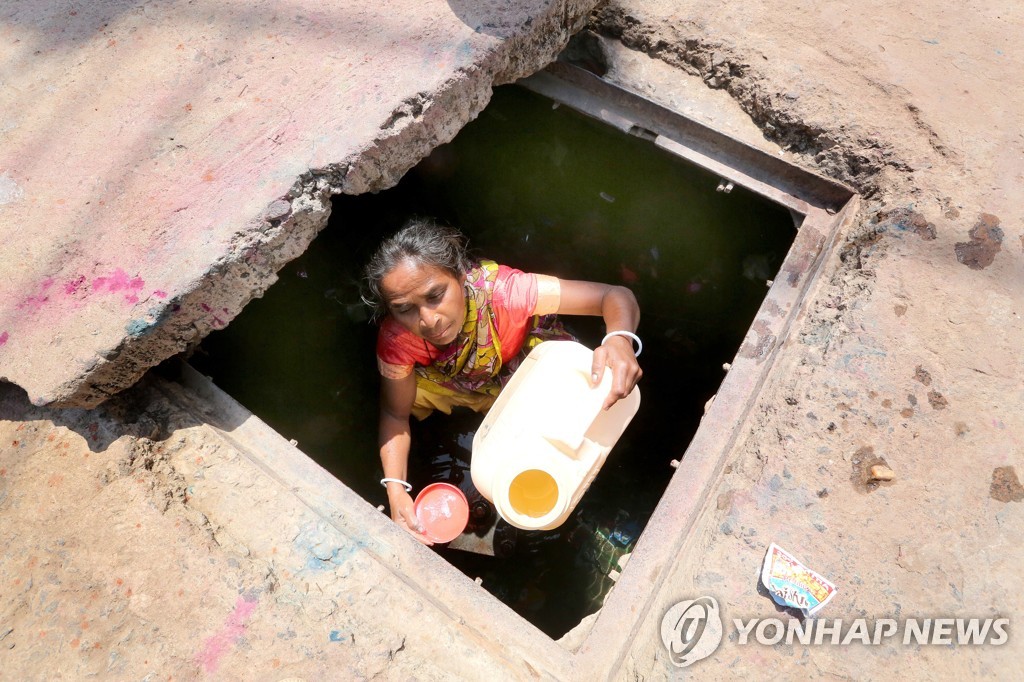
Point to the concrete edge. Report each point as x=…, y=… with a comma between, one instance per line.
x=490, y=624
x=689, y=491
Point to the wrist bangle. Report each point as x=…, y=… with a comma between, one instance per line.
x=384, y=482
x=629, y=335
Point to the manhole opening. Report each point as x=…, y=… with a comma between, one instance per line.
x=545, y=189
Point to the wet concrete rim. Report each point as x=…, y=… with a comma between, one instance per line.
x=828, y=209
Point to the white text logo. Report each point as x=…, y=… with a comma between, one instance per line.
x=921, y=631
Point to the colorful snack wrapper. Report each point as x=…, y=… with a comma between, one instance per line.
x=793, y=584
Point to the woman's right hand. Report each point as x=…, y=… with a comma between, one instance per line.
x=404, y=514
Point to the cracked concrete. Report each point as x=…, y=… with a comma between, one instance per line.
x=161, y=161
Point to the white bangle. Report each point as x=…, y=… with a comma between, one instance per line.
x=630, y=335
x=384, y=482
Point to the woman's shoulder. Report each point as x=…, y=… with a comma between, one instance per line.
x=398, y=345
x=515, y=290
x=506, y=275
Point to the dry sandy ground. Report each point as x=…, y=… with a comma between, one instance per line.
x=908, y=351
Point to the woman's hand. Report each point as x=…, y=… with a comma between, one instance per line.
x=397, y=396
x=403, y=513
x=618, y=306
x=617, y=354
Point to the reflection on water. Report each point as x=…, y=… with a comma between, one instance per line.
x=545, y=190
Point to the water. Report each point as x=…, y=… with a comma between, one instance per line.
x=546, y=190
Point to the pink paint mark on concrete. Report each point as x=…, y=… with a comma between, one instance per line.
x=159, y=293
x=4, y=337
x=72, y=287
x=234, y=627
x=117, y=281
x=33, y=302
x=205, y=307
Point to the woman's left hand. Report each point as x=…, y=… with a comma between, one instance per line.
x=618, y=306
x=616, y=353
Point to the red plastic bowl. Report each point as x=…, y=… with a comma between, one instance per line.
x=443, y=511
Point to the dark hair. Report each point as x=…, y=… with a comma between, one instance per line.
x=423, y=241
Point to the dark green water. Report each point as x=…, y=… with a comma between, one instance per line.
x=545, y=190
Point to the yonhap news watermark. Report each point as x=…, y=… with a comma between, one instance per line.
x=693, y=629
x=922, y=631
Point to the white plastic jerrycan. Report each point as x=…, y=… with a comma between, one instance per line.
x=546, y=436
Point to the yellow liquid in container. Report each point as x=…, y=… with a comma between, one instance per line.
x=546, y=437
x=533, y=493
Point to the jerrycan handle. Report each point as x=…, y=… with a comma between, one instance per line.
x=568, y=433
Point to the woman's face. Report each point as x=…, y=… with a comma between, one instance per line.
x=426, y=300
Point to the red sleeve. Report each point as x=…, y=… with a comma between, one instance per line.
x=513, y=301
x=399, y=350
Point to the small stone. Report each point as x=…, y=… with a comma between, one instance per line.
x=937, y=401
x=278, y=210
x=1006, y=486
x=880, y=472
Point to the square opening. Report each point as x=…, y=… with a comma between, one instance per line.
x=610, y=188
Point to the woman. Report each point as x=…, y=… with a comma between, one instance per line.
x=454, y=330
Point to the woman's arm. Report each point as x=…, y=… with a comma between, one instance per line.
x=397, y=396
x=620, y=311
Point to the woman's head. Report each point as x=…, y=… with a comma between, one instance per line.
x=416, y=275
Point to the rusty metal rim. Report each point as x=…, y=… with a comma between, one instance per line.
x=722, y=154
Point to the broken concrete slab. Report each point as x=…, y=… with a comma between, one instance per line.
x=159, y=162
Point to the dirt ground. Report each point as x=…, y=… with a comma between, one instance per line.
x=909, y=351
x=130, y=547
x=144, y=539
